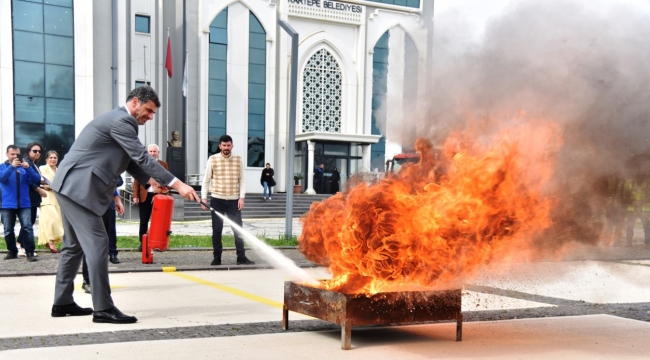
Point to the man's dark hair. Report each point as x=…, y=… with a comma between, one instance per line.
x=225, y=138
x=144, y=93
x=12, y=147
x=29, y=146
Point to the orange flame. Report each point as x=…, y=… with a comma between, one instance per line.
x=434, y=224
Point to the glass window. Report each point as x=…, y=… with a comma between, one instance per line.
x=67, y=3
x=59, y=81
x=28, y=46
x=216, y=103
x=28, y=16
x=142, y=24
x=218, y=51
x=57, y=137
x=30, y=109
x=407, y=3
x=218, y=73
x=218, y=69
x=255, y=106
x=57, y=20
x=322, y=81
x=25, y=132
x=256, y=122
x=218, y=35
x=59, y=50
x=221, y=20
x=139, y=83
x=336, y=149
x=256, y=91
x=217, y=87
x=379, y=92
x=59, y=111
x=43, y=66
x=257, y=73
x=29, y=78
x=257, y=56
x=257, y=41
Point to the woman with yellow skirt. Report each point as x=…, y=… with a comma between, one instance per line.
x=50, y=225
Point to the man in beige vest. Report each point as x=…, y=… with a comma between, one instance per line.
x=224, y=177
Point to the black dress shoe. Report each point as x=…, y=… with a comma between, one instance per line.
x=244, y=261
x=113, y=316
x=114, y=259
x=31, y=257
x=11, y=255
x=71, y=309
x=215, y=262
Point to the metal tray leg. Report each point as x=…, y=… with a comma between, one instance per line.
x=285, y=318
x=346, y=334
x=459, y=327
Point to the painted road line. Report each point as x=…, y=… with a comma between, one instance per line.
x=169, y=268
x=229, y=289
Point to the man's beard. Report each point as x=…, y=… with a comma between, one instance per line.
x=225, y=152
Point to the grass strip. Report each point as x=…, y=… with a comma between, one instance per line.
x=183, y=241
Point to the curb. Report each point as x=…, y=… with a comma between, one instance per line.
x=154, y=269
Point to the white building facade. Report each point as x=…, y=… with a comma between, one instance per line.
x=360, y=67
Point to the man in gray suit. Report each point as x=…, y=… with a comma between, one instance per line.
x=84, y=186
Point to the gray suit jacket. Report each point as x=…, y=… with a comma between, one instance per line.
x=106, y=147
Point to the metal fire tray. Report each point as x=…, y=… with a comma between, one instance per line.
x=350, y=310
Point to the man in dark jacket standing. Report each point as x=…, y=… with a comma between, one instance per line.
x=15, y=177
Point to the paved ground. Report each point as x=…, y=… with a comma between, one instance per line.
x=594, y=304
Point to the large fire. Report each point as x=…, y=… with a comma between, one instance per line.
x=476, y=200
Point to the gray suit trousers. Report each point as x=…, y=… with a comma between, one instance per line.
x=84, y=234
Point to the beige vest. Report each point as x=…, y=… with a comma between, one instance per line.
x=225, y=176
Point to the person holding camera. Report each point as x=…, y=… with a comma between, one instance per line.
x=15, y=177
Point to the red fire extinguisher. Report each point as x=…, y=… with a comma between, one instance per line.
x=160, y=228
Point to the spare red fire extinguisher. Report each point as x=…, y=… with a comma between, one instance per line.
x=157, y=237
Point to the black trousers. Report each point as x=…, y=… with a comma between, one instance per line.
x=145, y=214
x=109, y=223
x=228, y=208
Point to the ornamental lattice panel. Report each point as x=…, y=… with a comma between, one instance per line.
x=321, y=89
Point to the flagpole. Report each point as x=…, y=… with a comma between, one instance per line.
x=167, y=95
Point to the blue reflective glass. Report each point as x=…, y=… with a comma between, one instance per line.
x=24, y=133
x=59, y=111
x=380, y=55
x=255, y=156
x=57, y=20
x=256, y=106
x=254, y=25
x=413, y=3
x=221, y=20
x=255, y=122
x=218, y=35
x=59, y=50
x=59, y=81
x=257, y=56
x=400, y=2
x=67, y=3
x=217, y=119
x=28, y=46
x=28, y=16
x=216, y=103
x=217, y=87
x=257, y=73
x=142, y=24
x=30, y=109
x=217, y=69
x=140, y=83
x=29, y=78
x=383, y=41
x=256, y=91
x=257, y=41
x=58, y=136
x=218, y=51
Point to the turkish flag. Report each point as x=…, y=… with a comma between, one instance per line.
x=168, y=58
